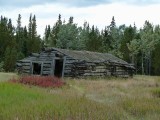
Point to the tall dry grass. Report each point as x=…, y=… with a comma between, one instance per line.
x=134, y=98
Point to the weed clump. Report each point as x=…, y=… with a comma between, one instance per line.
x=42, y=81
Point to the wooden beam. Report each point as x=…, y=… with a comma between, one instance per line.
x=64, y=61
x=53, y=66
x=31, y=67
x=41, y=68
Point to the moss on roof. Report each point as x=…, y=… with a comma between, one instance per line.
x=87, y=56
x=91, y=56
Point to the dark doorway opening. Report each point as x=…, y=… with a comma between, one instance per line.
x=36, y=68
x=58, y=68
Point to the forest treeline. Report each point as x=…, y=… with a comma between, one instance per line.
x=140, y=47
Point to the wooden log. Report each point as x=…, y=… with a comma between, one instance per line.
x=26, y=71
x=67, y=69
x=25, y=61
x=46, y=69
x=93, y=74
x=100, y=67
x=70, y=59
x=35, y=54
x=26, y=67
x=68, y=65
x=26, y=64
x=46, y=72
x=47, y=66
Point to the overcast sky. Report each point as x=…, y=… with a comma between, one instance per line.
x=96, y=12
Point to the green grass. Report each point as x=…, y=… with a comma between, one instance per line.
x=101, y=99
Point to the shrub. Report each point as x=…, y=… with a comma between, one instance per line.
x=42, y=81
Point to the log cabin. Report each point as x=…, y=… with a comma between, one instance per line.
x=72, y=63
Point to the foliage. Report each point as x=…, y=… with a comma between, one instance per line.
x=156, y=53
x=10, y=59
x=128, y=36
x=67, y=37
x=17, y=42
x=42, y=81
x=1, y=66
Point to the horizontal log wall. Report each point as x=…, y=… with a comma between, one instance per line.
x=47, y=66
x=68, y=66
x=72, y=67
x=94, y=69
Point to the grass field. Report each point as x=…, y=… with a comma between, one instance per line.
x=7, y=76
x=135, y=98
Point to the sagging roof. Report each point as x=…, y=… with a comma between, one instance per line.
x=92, y=56
x=87, y=56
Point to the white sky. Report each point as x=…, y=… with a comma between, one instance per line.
x=99, y=15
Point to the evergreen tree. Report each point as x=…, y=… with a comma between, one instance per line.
x=25, y=37
x=47, y=34
x=19, y=38
x=4, y=40
x=10, y=59
x=29, y=41
x=94, y=41
x=34, y=41
x=156, y=53
x=128, y=36
x=54, y=33
x=106, y=40
x=113, y=23
x=70, y=20
x=7, y=40
x=115, y=34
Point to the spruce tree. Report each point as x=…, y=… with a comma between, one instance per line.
x=10, y=59
x=94, y=41
x=106, y=40
x=19, y=38
x=52, y=41
x=128, y=36
x=34, y=41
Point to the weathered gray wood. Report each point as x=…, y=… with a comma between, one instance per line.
x=52, y=66
x=46, y=69
x=75, y=67
x=26, y=67
x=70, y=61
x=63, y=69
x=41, y=68
x=26, y=71
x=67, y=71
x=47, y=65
x=46, y=72
x=31, y=67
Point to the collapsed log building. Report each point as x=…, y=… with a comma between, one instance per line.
x=71, y=63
